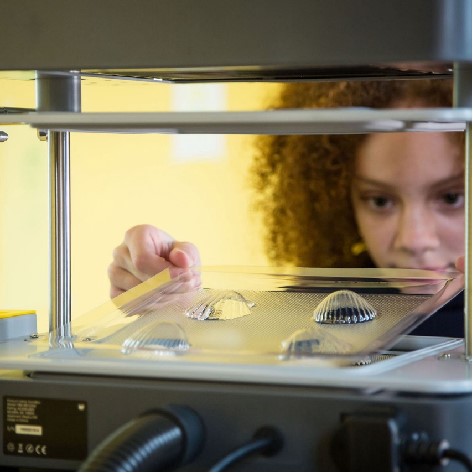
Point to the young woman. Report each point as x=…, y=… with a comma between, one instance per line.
x=386, y=199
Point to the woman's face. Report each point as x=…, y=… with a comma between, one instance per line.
x=408, y=197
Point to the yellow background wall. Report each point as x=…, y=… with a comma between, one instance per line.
x=117, y=181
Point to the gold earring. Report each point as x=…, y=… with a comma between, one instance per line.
x=358, y=248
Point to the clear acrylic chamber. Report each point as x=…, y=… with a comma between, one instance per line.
x=258, y=315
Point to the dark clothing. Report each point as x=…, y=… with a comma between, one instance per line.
x=446, y=322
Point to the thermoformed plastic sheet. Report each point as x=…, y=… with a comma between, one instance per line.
x=265, y=313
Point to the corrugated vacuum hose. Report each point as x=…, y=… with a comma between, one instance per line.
x=160, y=440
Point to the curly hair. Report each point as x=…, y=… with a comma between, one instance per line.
x=302, y=183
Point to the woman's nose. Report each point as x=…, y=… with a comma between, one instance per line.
x=417, y=230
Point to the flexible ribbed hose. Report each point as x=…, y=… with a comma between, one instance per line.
x=158, y=441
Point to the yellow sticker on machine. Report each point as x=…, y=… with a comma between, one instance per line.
x=6, y=314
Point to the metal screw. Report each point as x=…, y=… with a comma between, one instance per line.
x=444, y=356
x=42, y=135
x=3, y=136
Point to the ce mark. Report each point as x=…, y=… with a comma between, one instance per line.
x=38, y=449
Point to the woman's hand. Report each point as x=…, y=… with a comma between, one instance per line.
x=146, y=251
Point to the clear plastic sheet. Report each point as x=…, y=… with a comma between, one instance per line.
x=239, y=313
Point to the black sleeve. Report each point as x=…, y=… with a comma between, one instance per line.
x=446, y=322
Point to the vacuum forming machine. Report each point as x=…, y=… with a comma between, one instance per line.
x=257, y=369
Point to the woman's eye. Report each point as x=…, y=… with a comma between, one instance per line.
x=453, y=199
x=379, y=202
x=375, y=201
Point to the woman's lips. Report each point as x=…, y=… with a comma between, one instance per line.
x=438, y=269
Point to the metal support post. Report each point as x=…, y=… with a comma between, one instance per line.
x=60, y=92
x=462, y=98
x=468, y=243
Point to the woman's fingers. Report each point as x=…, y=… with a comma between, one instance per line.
x=146, y=251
